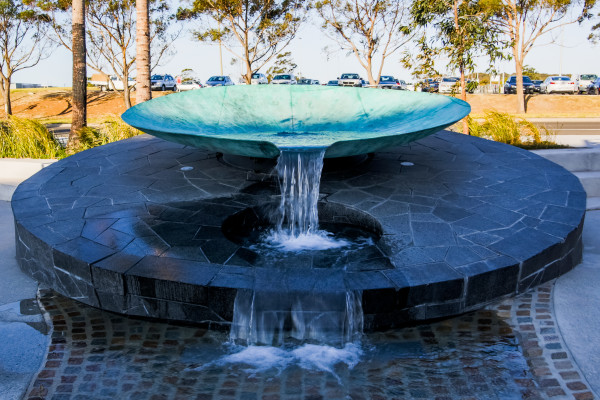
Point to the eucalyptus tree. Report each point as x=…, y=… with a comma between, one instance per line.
x=23, y=41
x=461, y=30
x=525, y=21
x=283, y=63
x=254, y=31
x=371, y=29
x=79, y=102
x=111, y=34
x=143, y=54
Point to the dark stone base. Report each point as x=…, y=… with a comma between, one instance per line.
x=121, y=227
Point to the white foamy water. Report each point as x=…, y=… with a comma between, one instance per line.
x=320, y=240
x=257, y=359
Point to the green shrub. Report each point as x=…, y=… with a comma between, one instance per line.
x=25, y=138
x=111, y=130
x=503, y=127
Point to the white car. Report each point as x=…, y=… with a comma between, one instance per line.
x=584, y=81
x=352, y=80
x=448, y=84
x=284, y=79
x=258, y=79
x=163, y=82
x=189, y=84
x=558, y=84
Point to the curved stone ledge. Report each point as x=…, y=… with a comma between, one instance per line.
x=121, y=227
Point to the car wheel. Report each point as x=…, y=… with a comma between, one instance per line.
x=103, y=88
x=175, y=88
x=163, y=88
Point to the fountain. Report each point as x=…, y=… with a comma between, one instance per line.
x=410, y=223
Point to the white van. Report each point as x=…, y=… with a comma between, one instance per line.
x=583, y=81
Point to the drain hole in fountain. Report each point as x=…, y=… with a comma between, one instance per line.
x=358, y=235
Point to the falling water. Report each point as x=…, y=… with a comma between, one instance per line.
x=297, y=226
x=270, y=316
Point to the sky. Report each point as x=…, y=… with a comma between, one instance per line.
x=576, y=55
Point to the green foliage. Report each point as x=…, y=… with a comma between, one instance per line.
x=504, y=128
x=111, y=130
x=25, y=138
x=283, y=64
x=263, y=28
x=464, y=30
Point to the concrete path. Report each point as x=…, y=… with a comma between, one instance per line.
x=22, y=327
x=577, y=305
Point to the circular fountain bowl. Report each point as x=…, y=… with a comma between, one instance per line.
x=259, y=120
x=152, y=228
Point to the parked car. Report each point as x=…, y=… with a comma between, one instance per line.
x=284, y=79
x=219, y=80
x=448, y=84
x=163, y=82
x=112, y=82
x=583, y=81
x=258, y=79
x=537, y=85
x=189, y=84
x=351, y=80
x=388, y=82
x=511, y=85
x=402, y=85
x=594, y=88
x=333, y=82
x=558, y=84
x=306, y=81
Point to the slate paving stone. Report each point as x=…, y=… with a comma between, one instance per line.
x=470, y=210
x=476, y=355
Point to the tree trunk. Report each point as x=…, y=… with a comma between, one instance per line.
x=79, y=114
x=6, y=96
x=143, y=92
x=519, y=74
x=463, y=96
x=126, y=92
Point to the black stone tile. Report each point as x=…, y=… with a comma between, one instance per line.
x=451, y=214
x=95, y=226
x=367, y=280
x=564, y=215
x=108, y=274
x=432, y=234
x=218, y=251
x=524, y=244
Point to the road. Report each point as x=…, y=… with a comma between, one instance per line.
x=576, y=126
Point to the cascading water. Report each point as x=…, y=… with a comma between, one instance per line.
x=297, y=226
x=268, y=316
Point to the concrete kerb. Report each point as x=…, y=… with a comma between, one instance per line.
x=13, y=171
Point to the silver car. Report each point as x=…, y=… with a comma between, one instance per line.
x=163, y=82
x=558, y=84
x=584, y=81
x=284, y=79
x=219, y=81
x=352, y=80
x=258, y=79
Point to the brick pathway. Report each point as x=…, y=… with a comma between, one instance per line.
x=509, y=351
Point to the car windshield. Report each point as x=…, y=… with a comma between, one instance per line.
x=350, y=76
x=387, y=79
x=565, y=78
x=217, y=78
x=255, y=76
x=450, y=80
x=588, y=77
x=156, y=77
x=282, y=77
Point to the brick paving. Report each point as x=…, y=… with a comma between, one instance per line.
x=512, y=350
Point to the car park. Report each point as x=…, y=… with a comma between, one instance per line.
x=448, y=84
x=583, y=81
x=511, y=85
x=163, y=82
x=219, y=80
x=350, y=80
x=258, y=79
x=189, y=84
x=284, y=79
x=594, y=88
x=558, y=84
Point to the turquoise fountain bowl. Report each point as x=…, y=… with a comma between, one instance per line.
x=263, y=120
